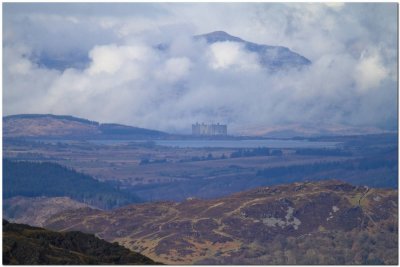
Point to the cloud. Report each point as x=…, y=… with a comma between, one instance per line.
x=335, y=5
x=124, y=76
x=174, y=69
x=232, y=55
x=370, y=72
x=110, y=59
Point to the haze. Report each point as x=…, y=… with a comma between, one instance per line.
x=101, y=62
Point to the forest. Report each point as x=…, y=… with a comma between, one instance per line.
x=33, y=179
x=300, y=172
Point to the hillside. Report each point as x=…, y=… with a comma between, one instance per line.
x=328, y=222
x=307, y=130
x=58, y=126
x=36, y=210
x=33, y=179
x=23, y=244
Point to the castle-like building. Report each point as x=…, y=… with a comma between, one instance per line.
x=209, y=129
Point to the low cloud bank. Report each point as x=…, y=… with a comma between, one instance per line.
x=352, y=79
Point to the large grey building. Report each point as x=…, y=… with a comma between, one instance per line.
x=209, y=129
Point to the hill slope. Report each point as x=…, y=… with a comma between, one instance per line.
x=30, y=179
x=23, y=244
x=58, y=126
x=302, y=223
x=36, y=210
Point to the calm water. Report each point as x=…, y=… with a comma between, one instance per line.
x=270, y=143
x=246, y=143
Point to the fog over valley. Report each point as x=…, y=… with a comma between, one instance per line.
x=139, y=64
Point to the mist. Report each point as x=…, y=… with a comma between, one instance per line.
x=110, y=68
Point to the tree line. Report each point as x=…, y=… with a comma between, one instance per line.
x=33, y=179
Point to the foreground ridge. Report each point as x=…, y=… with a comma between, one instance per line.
x=328, y=222
x=24, y=244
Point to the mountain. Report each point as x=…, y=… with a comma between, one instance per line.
x=271, y=57
x=27, y=245
x=33, y=179
x=328, y=222
x=60, y=126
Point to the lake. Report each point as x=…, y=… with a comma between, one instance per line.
x=253, y=143
x=270, y=143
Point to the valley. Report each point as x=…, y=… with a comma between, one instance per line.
x=156, y=172
x=326, y=200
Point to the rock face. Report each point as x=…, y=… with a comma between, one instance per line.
x=302, y=223
x=56, y=126
x=23, y=244
x=271, y=57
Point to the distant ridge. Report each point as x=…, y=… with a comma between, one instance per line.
x=62, y=117
x=219, y=36
x=271, y=57
x=66, y=126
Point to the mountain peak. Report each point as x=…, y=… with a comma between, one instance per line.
x=219, y=36
x=271, y=57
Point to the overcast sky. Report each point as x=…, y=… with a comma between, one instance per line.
x=100, y=62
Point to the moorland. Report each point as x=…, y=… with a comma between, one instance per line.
x=213, y=204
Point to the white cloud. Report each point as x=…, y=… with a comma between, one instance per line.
x=16, y=61
x=370, y=72
x=128, y=80
x=225, y=55
x=335, y=5
x=174, y=69
x=110, y=59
